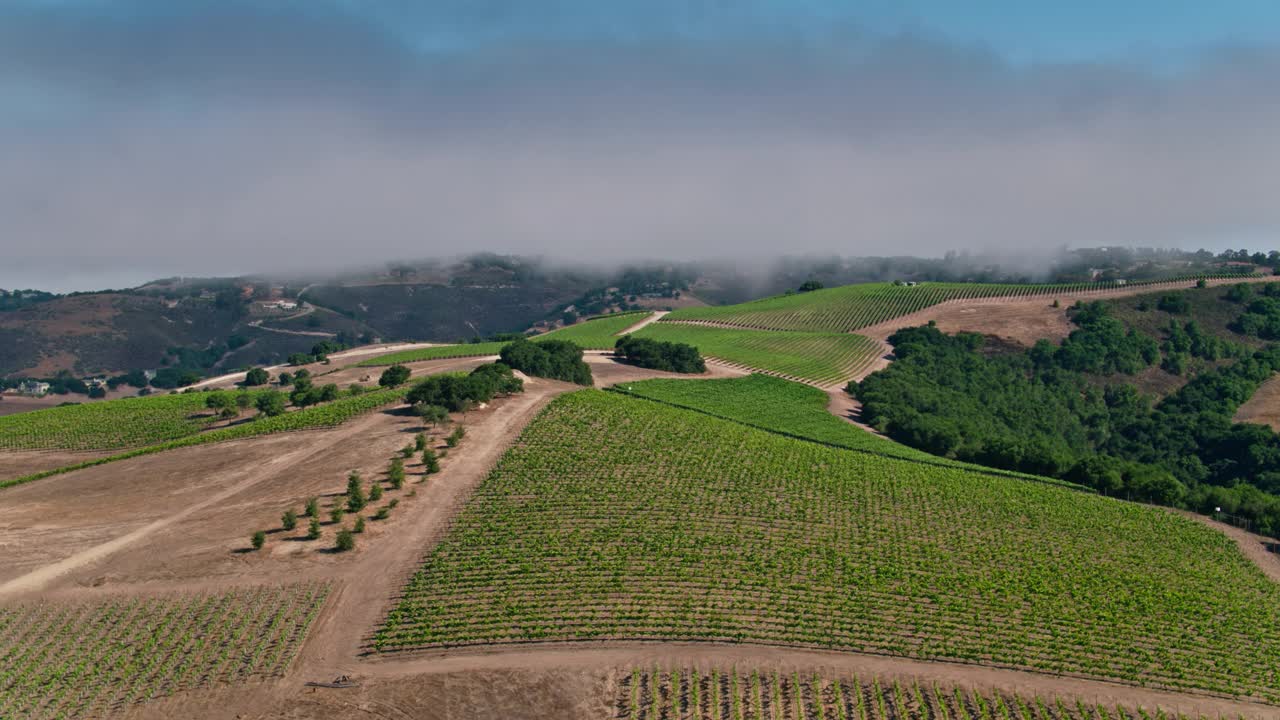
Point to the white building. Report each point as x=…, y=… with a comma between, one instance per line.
x=33, y=388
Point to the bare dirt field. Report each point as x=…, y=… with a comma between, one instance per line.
x=579, y=682
x=1264, y=407
x=16, y=463
x=1021, y=320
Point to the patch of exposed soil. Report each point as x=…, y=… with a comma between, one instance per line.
x=1021, y=320
x=580, y=681
x=1264, y=407
x=16, y=463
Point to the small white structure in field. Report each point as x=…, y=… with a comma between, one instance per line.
x=33, y=388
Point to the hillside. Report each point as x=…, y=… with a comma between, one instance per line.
x=621, y=519
x=113, y=333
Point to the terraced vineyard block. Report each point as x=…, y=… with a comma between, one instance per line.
x=620, y=519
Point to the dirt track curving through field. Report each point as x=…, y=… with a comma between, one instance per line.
x=651, y=319
x=264, y=469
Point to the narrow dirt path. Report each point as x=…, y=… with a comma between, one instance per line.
x=364, y=592
x=847, y=408
x=653, y=318
x=621, y=656
x=41, y=577
x=257, y=325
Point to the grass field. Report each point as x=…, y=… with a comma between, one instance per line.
x=90, y=659
x=851, y=307
x=720, y=694
x=107, y=425
x=826, y=358
x=308, y=418
x=595, y=334
x=617, y=518
x=788, y=408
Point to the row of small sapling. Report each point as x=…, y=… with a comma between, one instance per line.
x=358, y=499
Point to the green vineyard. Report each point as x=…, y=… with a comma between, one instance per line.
x=106, y=425
x=598, y=333
x=790, y=409
x=309, y=418
x=615, y=518
x=595, y=334
x=852, y=307
x=819, y=357
x=89, y=659
x=719, y=694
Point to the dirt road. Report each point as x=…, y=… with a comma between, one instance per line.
x=655, y=317
x=263, y=469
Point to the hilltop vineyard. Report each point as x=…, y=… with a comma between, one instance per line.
x=616, y=518
x=852, y=307
x=595, y=334
x=106, y=425
x=329, y=414
x=89, y=659
x=791, y=409
x=814, y=357
x=731, y=694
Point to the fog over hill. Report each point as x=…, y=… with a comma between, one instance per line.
x=315, y=135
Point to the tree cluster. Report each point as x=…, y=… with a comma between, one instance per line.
x=660, y=355
x=458, y=393
x=555, y=359
x=1040, y=412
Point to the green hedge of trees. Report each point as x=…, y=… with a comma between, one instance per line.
x=660, y=355
x=555, y=359
x=460, y=392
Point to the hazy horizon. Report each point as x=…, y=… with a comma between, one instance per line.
x=223, y=138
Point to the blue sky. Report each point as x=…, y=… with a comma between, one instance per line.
x=146, y=138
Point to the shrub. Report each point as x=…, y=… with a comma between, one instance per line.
x=313, y=507
x=345, y=541
x=407, y=451
x=455, y=437
x=394, y=376
x=256, y=376
x=337, y=513
x=313, y=529
x=289, y=520
x=271, y=403
x=430, y=461
x=432, y=414
x=375, y=492
x=1174, y=304
x=393, y=503
x=419, y=442
x=383, y=513
x=258, y=540
x=355, y=493
x=359, y=527
x=395, y=473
